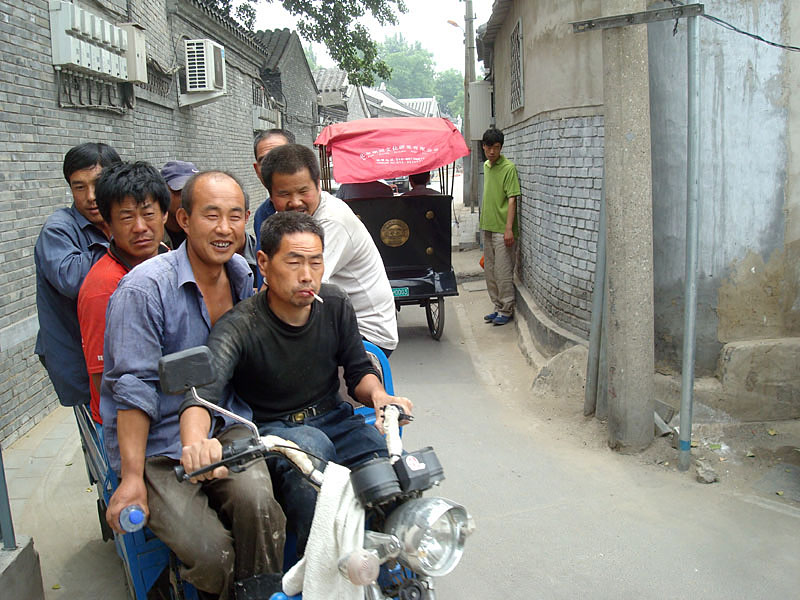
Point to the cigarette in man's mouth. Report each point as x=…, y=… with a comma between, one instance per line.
x=318, y=298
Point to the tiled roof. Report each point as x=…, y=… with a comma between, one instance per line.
x=330, y=80
x=388, y=103
x=427, y=107
x=276, y=42
x=228, y=22
x=488, y=31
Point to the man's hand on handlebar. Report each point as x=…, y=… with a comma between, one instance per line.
x=379, y=401
x=131, y=490
x=201, y=454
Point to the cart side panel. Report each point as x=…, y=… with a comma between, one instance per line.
x=411, y=232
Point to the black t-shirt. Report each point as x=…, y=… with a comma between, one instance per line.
x=278, y=369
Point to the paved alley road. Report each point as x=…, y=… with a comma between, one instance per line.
x=560, y=519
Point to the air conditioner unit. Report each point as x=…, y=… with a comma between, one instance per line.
x=205, y=66
x=204, y=79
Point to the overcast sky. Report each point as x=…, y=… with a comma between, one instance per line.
x=425, y=22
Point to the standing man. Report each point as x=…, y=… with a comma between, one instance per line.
x=280, y=351
x=133, y=201
x=291, y=174
x=499, y=225
x=176, y=173
x=226, y=530
x=70, y=242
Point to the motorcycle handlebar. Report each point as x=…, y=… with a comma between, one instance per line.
x=236, y=453
x=243, y=451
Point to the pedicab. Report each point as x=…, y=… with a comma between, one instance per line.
x=412, y=233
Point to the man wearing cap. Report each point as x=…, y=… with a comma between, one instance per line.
x=176, y=173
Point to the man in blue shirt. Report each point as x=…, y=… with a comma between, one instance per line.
x=71, y=241
x=263, y=142
x=226, y=530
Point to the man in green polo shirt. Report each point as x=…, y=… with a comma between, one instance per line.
x=499, y=226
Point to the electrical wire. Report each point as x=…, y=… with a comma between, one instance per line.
x=726, y=25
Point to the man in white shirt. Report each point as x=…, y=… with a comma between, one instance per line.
x=291, y=174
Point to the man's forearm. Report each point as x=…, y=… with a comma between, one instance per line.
x=133, y=428
x=366, y=388
x=195, y=425
x=512, y=212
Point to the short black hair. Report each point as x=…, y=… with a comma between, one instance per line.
x=187, y=193
x=493, y=136
x=285, y=223
x=287, y=160
x=420, y=178
x=85, y=156
x=139, y=180
x=262, y=135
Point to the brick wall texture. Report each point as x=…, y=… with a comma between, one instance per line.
x=560, y=166
x=35, y=133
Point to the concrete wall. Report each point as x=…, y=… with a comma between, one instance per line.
x=749, y=215
x=35, y=133
x=560, y=69
x=556, y=141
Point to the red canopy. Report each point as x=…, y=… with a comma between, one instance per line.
x=370, y=149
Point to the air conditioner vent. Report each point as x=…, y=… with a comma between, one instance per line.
x=205, y=66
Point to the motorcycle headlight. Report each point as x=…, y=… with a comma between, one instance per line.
x=432, y=532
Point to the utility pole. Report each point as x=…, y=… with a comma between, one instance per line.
x=629, y=252
x=471, y=180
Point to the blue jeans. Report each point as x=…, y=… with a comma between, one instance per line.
x=337, y=435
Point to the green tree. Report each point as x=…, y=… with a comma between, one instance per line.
x=448, y=85
x=456, y=107
x=311, y=58
x=334, y=25
x=412, y=68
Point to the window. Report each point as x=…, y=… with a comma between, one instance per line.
x=517, y=88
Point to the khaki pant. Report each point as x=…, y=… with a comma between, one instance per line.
x=498, y=264
x=223, y=530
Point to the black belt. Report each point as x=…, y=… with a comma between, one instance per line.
x=314, y=410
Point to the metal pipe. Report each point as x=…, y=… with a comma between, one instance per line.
x=692, y=229
x=211, y=406
x=598, y=296
x=6, y=524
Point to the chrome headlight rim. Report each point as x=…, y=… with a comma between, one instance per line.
x=414, y=523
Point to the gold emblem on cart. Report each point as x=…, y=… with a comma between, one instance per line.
x=394, y=233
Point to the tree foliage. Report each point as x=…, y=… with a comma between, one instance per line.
x=412, y=68
x=413, y=75
x=311, y=57
x=333, y=23
x=449, y=87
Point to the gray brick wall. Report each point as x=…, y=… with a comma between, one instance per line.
x=560, y=165
x=300, y=91
x=26, y=395
x=35, y=133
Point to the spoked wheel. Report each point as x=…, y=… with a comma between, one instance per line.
x=434, y=311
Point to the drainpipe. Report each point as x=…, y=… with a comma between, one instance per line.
x=598, y=306
x=692, y=202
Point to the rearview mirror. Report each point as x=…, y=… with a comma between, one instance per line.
x=181, y=371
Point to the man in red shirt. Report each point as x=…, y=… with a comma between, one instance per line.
x=133, y=200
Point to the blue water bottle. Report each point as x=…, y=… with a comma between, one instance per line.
x=132, y=518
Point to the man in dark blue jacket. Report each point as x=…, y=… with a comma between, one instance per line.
x=70, y=242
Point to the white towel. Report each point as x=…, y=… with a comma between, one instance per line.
x=337, y=529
